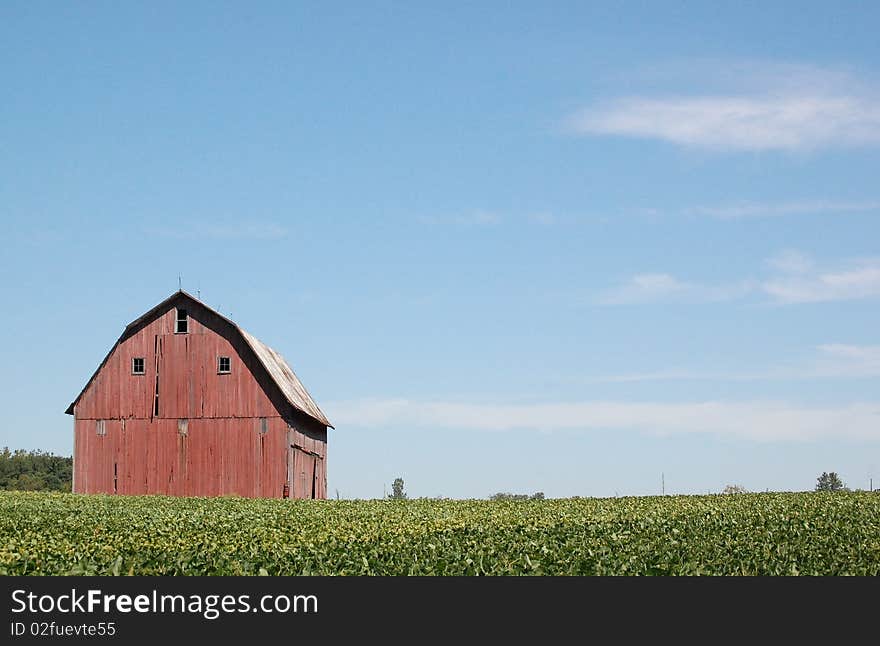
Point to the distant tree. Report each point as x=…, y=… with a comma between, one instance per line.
x=538, y=495
x=829, y=482
x=504, y=495
x=34, y=471
x=397, y=492
x=735, y=488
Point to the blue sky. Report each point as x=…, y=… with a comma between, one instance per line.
x=506, y=247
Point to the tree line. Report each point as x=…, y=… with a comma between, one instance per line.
x=22, y=470
x=38, y=470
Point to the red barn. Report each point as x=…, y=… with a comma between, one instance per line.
x=187, y=403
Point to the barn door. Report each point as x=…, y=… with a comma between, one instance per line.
x=181, y=361
x=303, y=473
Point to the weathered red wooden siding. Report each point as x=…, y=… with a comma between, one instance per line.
x=189, y=385
x=224, y=446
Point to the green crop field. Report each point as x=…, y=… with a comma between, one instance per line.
x=750, y=534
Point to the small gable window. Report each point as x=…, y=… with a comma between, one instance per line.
x=137, y=365
x=181, y=324
x=223, y=365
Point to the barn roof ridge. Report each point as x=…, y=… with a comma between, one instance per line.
x=279, y=371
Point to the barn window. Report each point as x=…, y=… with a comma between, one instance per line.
x=223, y=365
x=137, y=365
x=180, y=327
x=100, y=428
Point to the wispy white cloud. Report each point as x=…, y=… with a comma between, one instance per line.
x=744, y=210
x=740, y=123
x=796, y=280
x=658, y=375
x=643, y=288
x=770, y=109
x=215, y=231
x=659, y=287
x=831, y=361
x=860, y=280
x=843, y=360
x=791, y=261
x=760, y=421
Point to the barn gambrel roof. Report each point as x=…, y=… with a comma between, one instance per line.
x=276, y=367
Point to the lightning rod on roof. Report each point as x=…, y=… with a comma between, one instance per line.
x=179, y=283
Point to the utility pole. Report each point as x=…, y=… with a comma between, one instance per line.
x=663, y=482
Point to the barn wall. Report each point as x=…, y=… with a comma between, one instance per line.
x=209, y=457
x=214, y=434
